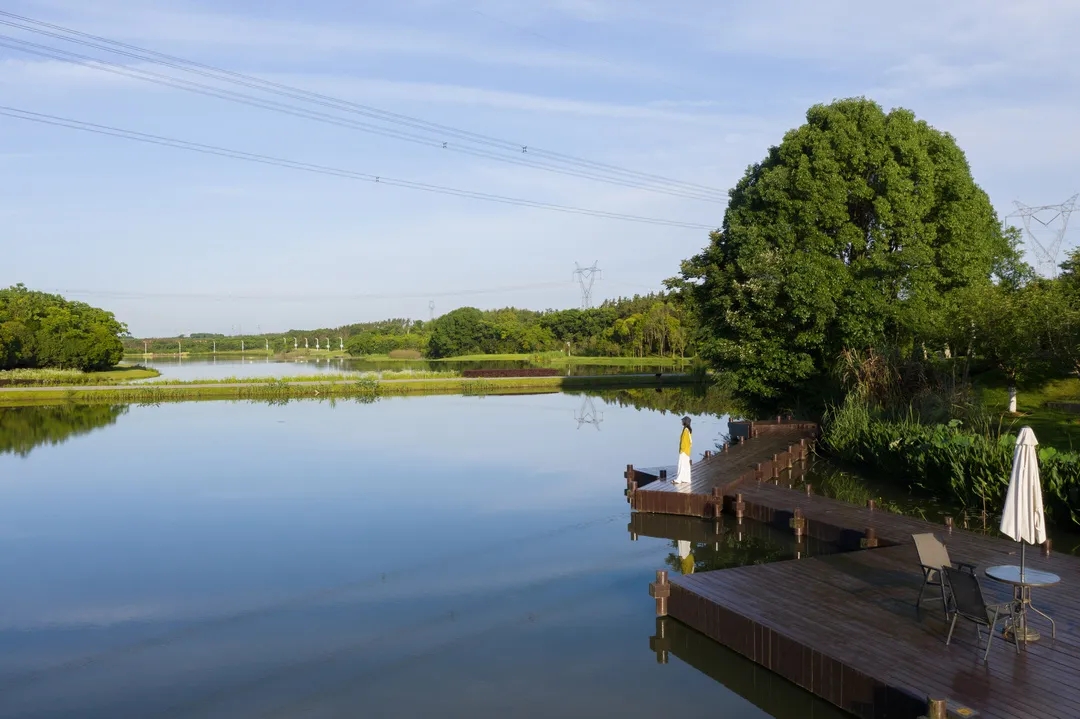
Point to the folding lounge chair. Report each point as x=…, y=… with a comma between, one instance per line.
x=932, y=557
x=968, y=602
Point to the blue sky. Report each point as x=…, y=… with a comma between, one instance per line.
x=696, y=94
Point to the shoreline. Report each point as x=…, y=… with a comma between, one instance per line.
x=362, y=389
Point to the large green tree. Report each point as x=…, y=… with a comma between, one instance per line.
x=854, y=232
x=42, y=330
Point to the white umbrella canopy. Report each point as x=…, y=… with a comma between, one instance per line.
x=1023, y=518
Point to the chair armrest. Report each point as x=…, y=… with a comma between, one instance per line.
x=966, y=565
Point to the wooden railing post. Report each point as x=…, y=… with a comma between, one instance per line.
x=738, y=506
x=797, y=522
x=660, y=590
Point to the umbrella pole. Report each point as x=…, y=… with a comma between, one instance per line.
x=1023, y=548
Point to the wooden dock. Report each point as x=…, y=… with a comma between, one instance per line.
x=844, y=626
x=756, y=451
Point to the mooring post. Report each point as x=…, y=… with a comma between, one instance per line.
x=660, y=590
x=869, y=540
x=1046, y=548
x=797, y=522
x=630, y=492
x=790, y=454
x=776, y=466
x=708, y=453
x=809, y=489
x=871, y=504
x=949, y=524
x=936, y=709
x=629, y=475
x=717, y=505
x=758, y=473
x=739, y=506
x=724, y=448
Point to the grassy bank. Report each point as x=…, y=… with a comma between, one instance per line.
x=365, y=389
x=1053, y=427
x=68, y=377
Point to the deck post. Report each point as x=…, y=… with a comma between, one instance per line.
x=663, y=474
x=776, y=466
x=797, y=522
x=869, y=540
x=630, y=492
x=1046, y=548
x=871, y=504
x=724, y=449
x=717, y=505
x=708, y=453
x=790, y=454
x=629, y=475
x=948, y=524
x=660, y=590
x=739, y=506
x=936, y=709
x=809, y=489
x=759, y=474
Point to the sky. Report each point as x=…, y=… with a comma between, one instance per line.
x=177, y=242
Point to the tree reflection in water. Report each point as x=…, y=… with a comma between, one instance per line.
x=24, y=428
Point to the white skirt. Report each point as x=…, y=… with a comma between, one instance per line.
x=684, y=469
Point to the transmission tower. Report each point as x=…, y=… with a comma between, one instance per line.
x=431, y=310
x=1050, y=221
x=587, y=414
x=585, y=277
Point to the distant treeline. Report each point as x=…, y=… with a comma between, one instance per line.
x=650, y=325
x=41, y=330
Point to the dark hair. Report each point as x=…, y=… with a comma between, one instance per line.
x=686, y=423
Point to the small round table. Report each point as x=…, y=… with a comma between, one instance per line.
x=1010, y=574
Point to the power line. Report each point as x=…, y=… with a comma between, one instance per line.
x=613, y=173
x=140, y=295
x=72, y=124
x=297, y=111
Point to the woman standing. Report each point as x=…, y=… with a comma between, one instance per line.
x=685, y=441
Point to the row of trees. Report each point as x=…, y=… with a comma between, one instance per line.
x=42, y=330
x=652, y=325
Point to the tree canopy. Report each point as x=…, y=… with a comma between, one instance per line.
x=855, y=232
x=42, y=330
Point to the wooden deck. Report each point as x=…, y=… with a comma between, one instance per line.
x=758, y=450
x=844, y=626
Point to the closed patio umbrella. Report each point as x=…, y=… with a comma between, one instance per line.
x=1022, y=518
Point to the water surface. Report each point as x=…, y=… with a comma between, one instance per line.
x=442, y=556
x=260, y=365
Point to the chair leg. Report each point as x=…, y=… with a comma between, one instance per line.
x=922, y=589
x=952, y=626
x=1015, y=635
x=944, y=600
x=990, y=638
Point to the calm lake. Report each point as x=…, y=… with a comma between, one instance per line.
x=426, y=556
x=186, y=369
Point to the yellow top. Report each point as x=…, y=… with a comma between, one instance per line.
x=686, y=564
x=684, y=442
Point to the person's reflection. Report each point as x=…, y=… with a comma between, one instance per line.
x=686, y=558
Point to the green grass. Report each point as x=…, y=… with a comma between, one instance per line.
x=1052, y=427
x=65, y=377
x=359, y=388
